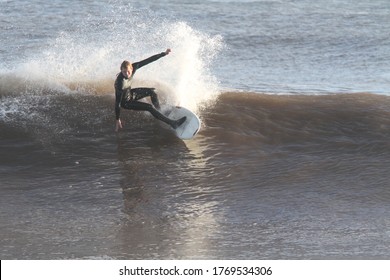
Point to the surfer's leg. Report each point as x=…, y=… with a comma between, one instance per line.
x=143, y=92
x=141, y=106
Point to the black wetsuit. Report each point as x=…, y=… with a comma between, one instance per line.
x=127, y=98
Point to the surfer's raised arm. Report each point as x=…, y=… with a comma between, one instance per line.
x=127, y=97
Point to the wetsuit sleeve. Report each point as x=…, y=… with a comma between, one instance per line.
x=144, y=62
x=118, y=96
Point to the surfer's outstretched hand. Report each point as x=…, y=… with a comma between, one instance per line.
x=118, y=125
x=168, y=51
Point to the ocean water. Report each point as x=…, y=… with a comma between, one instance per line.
x=291, y=162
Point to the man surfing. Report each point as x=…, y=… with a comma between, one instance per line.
x=127, y=97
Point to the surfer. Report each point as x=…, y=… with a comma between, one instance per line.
x=127, y=97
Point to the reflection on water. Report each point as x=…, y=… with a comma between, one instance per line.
x=168, y=205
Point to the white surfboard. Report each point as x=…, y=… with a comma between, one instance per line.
x=190, y=127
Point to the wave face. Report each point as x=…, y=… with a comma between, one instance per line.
x=262, y=167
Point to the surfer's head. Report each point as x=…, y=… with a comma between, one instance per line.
x=126, y=68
